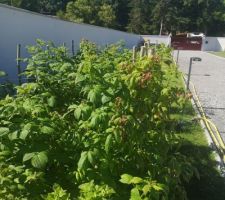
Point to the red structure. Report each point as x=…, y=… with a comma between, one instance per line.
x=185, y=43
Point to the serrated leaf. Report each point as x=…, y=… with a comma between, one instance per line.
x=47, y=130
x=77, y=113
x=24, y=134
x=105, y=99
x=158, y=187
x=126, y=178
x=146, y=189
x=72, y=107
x=39, y=160
x=79, y=78
x=95, y=120
x=83, y=159
x=108, y=143
x=13, y=135
x=51, y=101
x=135, y=195
x=28, y=156
x=4, y=131
x=136, y=180
x=92, y=96
x=91, y=158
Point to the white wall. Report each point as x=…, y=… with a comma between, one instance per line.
x=24, y=27
x=213, y=44
x=158, y=39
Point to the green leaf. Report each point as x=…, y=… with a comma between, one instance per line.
x=28, y=156
x=47, y=130
x=105, y=99
x=25, y=131
x=24, y=134
x=158, y=187
x=3, y=131
x=51, y=101
x=83, y=160
x=95, y=120
x=108, y=143
x=146, y=189
x=92, y=96
x=135, y=195
x=13, y=135
x=91, y=158
x=126, y=178
x=136, y=180
x=77, y=113
x=2, y=73
x=39, y=160
x=79, y=78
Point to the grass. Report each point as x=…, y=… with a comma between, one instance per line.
x=210, y=186
x=220, y=53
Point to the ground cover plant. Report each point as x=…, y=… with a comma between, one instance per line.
x=93, y=126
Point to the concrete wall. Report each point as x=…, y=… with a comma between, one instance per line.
x=24, y=27
x=213, y=44
x=158, y=39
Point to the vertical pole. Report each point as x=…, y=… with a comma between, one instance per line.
x=178, y=53
x=18, y=62
x=73, y=52
x=150, y=52
x=64, y=45
x=142, y=51
x=134, y=54
x=189, y=74
x=161, y=27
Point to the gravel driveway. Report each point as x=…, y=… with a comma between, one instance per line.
x=209, y=78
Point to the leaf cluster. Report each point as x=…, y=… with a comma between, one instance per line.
x=83, y=123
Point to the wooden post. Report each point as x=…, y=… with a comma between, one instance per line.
x=73, y=52
x=64, y=45
x=149, y=52
x=18, y=62
x=142, y=52
x=134, y=54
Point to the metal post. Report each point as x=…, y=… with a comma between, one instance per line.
x=18, y=62
x=189, y=73
x=73, y=52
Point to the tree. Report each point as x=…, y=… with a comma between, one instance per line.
x=139, y=18
x=95, y=12
x=106, y=16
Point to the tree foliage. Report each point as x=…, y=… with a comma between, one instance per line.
x=138, y=16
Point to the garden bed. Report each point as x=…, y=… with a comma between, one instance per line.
x=100, y=126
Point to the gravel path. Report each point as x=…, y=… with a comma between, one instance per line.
x=209, y=78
